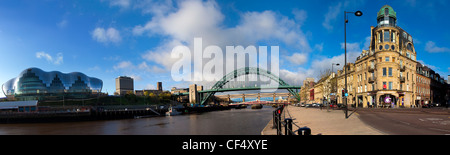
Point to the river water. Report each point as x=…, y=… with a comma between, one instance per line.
x=228, y=122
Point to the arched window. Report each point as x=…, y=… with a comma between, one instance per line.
x=409, y=47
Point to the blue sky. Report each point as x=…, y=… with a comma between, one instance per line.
x=110, y=38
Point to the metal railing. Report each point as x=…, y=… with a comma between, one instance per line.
x=280, y=121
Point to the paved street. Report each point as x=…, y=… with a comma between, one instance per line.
x=323, y=122
x=407, y=121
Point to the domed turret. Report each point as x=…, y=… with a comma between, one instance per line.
x=387, y=16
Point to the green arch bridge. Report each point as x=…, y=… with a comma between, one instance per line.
x=218, y=86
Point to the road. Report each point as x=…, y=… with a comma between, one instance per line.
x=407, y=121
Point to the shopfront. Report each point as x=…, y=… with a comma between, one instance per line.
x=388, y=100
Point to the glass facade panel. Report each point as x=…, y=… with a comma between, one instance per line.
x=34, y=81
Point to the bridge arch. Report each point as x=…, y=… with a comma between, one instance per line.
x=246, y=71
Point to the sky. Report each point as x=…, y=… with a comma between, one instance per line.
x=111, y=38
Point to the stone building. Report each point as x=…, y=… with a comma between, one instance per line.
x=388, y=74
x=383, y=75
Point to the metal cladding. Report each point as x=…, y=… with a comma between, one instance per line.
x=37, y=81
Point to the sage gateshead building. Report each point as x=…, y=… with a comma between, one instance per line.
x=36, y=84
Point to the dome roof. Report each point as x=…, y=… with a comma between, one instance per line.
x=392, y=13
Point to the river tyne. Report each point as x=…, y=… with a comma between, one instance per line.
x=227, y=122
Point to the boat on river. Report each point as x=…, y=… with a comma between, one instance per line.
x=172, y=112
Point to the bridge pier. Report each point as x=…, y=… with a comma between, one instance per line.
x=274, y=97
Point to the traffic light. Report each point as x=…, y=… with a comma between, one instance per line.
x=343, y=92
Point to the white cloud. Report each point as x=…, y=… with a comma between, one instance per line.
x=106, y=35
x=124, y=65
x=62, y=24
x=331, y=15
x=120, y=3
x=57, y=60
x=336, y=11
x=432, y=48
x=204, y=19
x=128, y=67
x=300, y=16
x=318, y=47
x=298, y=58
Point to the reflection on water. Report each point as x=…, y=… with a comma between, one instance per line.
x=235, y=121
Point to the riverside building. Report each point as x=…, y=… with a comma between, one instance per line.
x=36, y=84
x=387, y=75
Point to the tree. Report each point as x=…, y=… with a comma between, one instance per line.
x=329, y=81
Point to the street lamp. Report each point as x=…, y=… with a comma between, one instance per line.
x=357, y=13
x=335, y=95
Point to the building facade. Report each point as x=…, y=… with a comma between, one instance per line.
x=423, y=82
x=383, y=75
x=36, y=84
x=124, y=84
x=387, y=75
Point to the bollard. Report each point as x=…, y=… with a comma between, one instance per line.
x=274, y=119
x=278, y=124
x=288, y=126
x=305, y=131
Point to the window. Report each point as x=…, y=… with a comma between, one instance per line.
x=390, y=85
x=378, y=37
x=381, y=36
x=365, y=88
x=384, y=85
x=393, y=37
x=409, y=47
x=387, y=58
x=387, y=37
x=390, y=71
x=384, y=71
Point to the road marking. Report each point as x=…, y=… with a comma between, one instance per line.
x=404, y=122
x=439, y=129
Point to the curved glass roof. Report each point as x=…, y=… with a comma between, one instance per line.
x=35, y=80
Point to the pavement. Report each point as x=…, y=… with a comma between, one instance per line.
x=324, y=122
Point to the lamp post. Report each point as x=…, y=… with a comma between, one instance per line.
x=335, y=95
x=357, y=13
